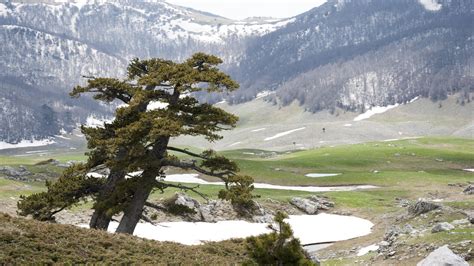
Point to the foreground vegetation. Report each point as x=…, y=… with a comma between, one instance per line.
x=25, y=241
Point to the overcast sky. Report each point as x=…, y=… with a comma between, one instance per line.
x=240, y=9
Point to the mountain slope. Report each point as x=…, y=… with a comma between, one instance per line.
x=359, y=53
x=343, y=55
x=49, y=46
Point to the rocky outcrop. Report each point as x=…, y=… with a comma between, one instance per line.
x=217, y=210
x=261, y=215
x=324, y=203
x=213, y=211
x=312, y=204
x=19, y=174
x=305, y=205
x=441, y=227
x=470, y=216
x=469, y=190
x=422, y=206
x=22, y=174
x=441, y=257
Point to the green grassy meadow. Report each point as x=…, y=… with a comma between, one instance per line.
x=408, y=169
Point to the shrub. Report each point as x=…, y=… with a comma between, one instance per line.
x=279, y=247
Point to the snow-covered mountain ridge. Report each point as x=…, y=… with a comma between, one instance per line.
x=343, y=55
x=48, y=45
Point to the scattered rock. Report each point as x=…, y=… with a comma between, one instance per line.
x=441, y=227
x=408, y=229
x=465, y=243
x=314, y=259
x=422, y=206
x=19, y=174
x=441, y=257
x=460, y=222
x=391, y=235
x=469, y=190
x=403, y=202
x=470, y=216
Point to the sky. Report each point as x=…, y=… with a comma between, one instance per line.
x=240, y=9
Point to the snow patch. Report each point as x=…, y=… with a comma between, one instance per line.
x=235, y=143
x=469, y=169
x=264, y=94
x=348, y=125
x=39, y=151
x=62, y=137
x=406, y=138
x=95, y=175
x=284, y=133
x=367, y=249
x=414, y=99
x=194, y=179
x=431, y=5
x=3, y=10
x=309, y=229
x=93, y=121
x=156, y=105
x=375, y=110
x=25, y=144
x=319, y=175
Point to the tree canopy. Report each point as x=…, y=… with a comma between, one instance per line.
x=138, y=139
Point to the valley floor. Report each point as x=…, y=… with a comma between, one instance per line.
x=403, y=170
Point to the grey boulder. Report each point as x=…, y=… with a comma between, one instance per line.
x=442, y=256
x=441, y=227
x=422, y=206
x=306, y=205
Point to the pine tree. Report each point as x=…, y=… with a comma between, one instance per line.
x=138, y=139
x=278, y=247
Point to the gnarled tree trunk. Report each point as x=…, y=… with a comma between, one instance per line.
x=100, y=219
x=134, y=209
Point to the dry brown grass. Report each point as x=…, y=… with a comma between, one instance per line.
x=24, y=241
